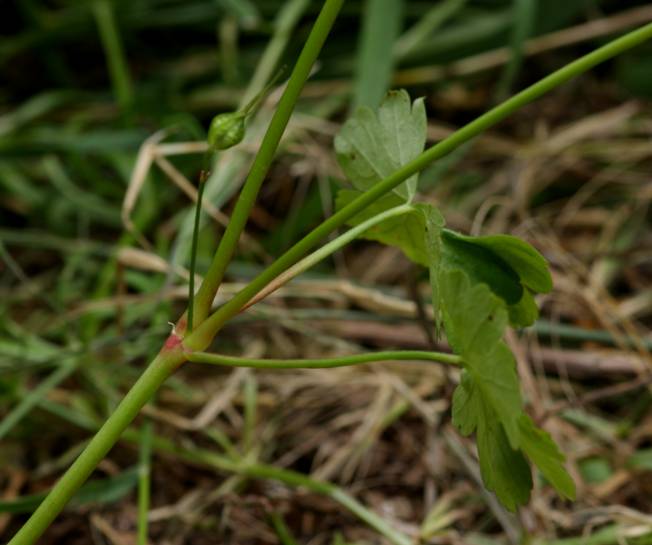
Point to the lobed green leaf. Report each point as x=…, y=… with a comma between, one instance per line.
x=530, y=266
x=372, y=146
x=481, y=265
x=512, y=269
x=545, y=454
x=488, y=400
x=474, y=320
x=479, y=285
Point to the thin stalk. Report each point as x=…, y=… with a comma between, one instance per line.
x=324, y=363
x=283, y=25
x=231, y=163
x=209, y=458
x=264, y=158
x=203, y=176
x=253, y=105
x=155, y=374
x=172, y=356
x=250, y=395
x=203, y=335
x=144, y=481
x=326, y=250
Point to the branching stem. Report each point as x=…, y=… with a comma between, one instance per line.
x=326, y=250
x=107, y=436
x=173, y=354
x=203, y=335
x=264, y=157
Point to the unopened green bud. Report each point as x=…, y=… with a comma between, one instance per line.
x=226, y=130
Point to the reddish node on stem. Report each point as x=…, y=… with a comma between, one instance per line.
x=172, y=342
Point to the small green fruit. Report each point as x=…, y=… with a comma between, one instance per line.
x=226, y=130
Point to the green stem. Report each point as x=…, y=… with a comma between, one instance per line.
x=264, y=158
x=287, y=18
x=253, y=104
x=170, y=358
x=324, y=363
x=203, y=335
x=144, y=481
x=209, y=458
x=326, y=250
x=160, y=369
x=203, y=176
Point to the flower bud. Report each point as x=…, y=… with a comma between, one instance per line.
x=226, y=130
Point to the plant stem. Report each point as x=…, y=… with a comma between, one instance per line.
x=264, y=158
x=324, y=363
x=155, y=374
x=170, y=358
x=144, y=481
x=203, y=334
x=326, y=250
x=203, y=176
x=283, y=25
x=235, y=464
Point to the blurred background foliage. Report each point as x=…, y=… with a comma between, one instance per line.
x=89, y=284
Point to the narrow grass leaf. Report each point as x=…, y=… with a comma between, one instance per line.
x=525, y=17
x=426, y=26
x=381, y=26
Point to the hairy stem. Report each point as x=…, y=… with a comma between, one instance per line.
x=325, y=363
x=264, y=158
x=203, y=335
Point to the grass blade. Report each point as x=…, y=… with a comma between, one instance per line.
x=115, y=57
x=525, y=12
x=33, y=398
x=426, y=26
x=381, y=25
